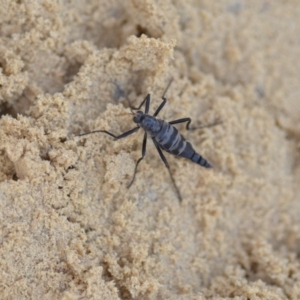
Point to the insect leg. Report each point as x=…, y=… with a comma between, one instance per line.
x=160, y=107
x=121, y=92
x=168, y=167
x=127, y=133
x=164, y=99
x=189, y=120
x=139, y=160
x=147, y=100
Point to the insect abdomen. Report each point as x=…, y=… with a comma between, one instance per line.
x=198, y=159
x=173, y=142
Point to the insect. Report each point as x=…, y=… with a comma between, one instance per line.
x=163, y=134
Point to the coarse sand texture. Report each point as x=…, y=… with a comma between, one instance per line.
x=69, y=226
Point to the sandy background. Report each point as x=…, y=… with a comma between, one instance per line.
x=70, y=229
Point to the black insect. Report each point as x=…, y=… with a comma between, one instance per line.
x=163, y=134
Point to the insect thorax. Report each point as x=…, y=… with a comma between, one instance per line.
x=151, y=125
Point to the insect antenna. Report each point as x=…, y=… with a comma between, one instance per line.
x=171, y=80
x=122, y=94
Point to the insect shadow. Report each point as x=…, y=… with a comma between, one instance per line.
x=163, y=134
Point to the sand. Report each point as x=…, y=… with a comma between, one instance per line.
x=70, y=227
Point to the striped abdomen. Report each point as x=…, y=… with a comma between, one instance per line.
x=170, y=140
